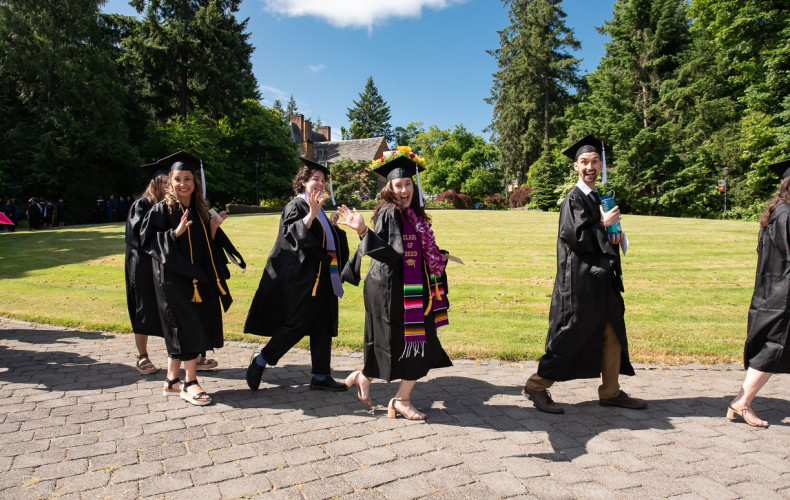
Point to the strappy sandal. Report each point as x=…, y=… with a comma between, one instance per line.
x=145, y=366
x=352, y=379
x=168, y=389
x=748, y=416
x=200, y=399
x=205, y=363
x=393, y=412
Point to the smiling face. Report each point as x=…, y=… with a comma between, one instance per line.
x=315, y=182
x=404, y=190
x=588, y=165
x=183, y=184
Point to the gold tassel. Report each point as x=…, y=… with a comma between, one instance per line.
x=221, y=290
x=318, y=277
x=196, y=295
x=430, y=295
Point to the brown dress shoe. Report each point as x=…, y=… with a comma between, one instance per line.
x=623, y=400
x=542, y=400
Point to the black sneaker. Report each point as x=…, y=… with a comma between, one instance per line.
x=328, y=384
x=254, y=375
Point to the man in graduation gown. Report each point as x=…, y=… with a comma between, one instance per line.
x=586, y=336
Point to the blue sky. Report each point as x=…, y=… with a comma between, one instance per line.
x=427, y=57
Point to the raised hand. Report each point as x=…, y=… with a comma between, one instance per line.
x=353, y=219
x=214, y=223
x=183, y=224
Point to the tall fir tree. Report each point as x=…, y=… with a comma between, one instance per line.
x=531, y=87
x=290, y=108
x=62, y=119
x=370, y=115
x=194, y=54
x=624, y=103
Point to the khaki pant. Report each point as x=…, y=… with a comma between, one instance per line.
x=610, y=368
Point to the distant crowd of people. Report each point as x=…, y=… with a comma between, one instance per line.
x=40, y=214
x=113, y=209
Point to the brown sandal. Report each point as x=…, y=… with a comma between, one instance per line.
x=204, y=363
x=393, y=412
x=145, y=366
x=748, y=416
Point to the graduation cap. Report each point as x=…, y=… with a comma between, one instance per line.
x=401, y=168
x=154, y=170
x=588, y=144
x=327, y=174
x=182, y=160
x=781, y=168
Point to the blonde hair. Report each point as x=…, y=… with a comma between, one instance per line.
x=201, y=205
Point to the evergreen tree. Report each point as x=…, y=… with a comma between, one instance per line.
x=278, y=107
x=531, y=87
x=290, y=109
x=353, y=182
x=624, y=103
x=62, y=121
x=194, y=54
x=370, y=115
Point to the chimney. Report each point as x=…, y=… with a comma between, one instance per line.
x=307, y=140
x=325, y=131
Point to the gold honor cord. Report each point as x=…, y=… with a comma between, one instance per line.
x=436, y=285
x=196, y=295
x=318, y=276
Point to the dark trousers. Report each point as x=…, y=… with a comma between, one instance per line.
x=320, y=349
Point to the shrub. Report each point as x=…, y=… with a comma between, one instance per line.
x=493, y=202
x=520, y=197
x=458, y=200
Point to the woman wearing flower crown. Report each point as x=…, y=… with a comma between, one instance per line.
x=405, y=287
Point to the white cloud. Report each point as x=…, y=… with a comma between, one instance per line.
x=316, y=68
x=355, y=13
x=272, y=93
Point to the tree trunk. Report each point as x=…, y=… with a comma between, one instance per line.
x=644, y=105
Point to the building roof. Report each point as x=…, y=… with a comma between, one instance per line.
x=354, y=149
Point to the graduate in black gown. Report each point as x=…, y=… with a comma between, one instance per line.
x=190, y=271
x=586, y=336
x=405, y=289
x=140, y=293
x=299, y=290
x=766, y=351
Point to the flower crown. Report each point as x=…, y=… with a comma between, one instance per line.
x=400, y=151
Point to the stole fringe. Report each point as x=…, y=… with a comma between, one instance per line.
x=412, y=349
x=196, y=295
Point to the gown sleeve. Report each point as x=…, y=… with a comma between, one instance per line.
x=384, y=243
x=576, y=226
x=134, y=222
x=158, y=239
x=295, y=233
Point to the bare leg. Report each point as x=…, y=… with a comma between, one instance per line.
x=142, y=343
x=401, y=403
x=173, y=367
x=144, y=363
x=754, y=381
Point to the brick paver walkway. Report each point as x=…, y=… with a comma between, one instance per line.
x=78, y=421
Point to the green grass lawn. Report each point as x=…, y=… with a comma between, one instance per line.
x=688, y=282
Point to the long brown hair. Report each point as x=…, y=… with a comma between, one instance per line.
x=197, y=194
x=782, y=195
x=155, y=192
x=387, y=197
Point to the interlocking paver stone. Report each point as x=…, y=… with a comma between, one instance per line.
x=91, y=426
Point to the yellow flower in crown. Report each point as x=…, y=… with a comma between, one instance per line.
x=400, y=151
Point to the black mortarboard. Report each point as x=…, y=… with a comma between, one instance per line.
x=315, y=166
x=399, y=168
x=180, y=161
x=587, y=144
x=781, y=168
x=327, y=174
x=154, y=170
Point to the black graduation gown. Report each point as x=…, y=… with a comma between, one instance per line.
x=769, y=315
x=284, y=300
x=140, y=293
x=383, y=296
x=587, y=294
x=189, y=327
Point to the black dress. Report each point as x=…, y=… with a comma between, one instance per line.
x=587, y=295
x=769, y=315
x=295, y=296
x=189, y=327
x=383, y=295
x=140, y=292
